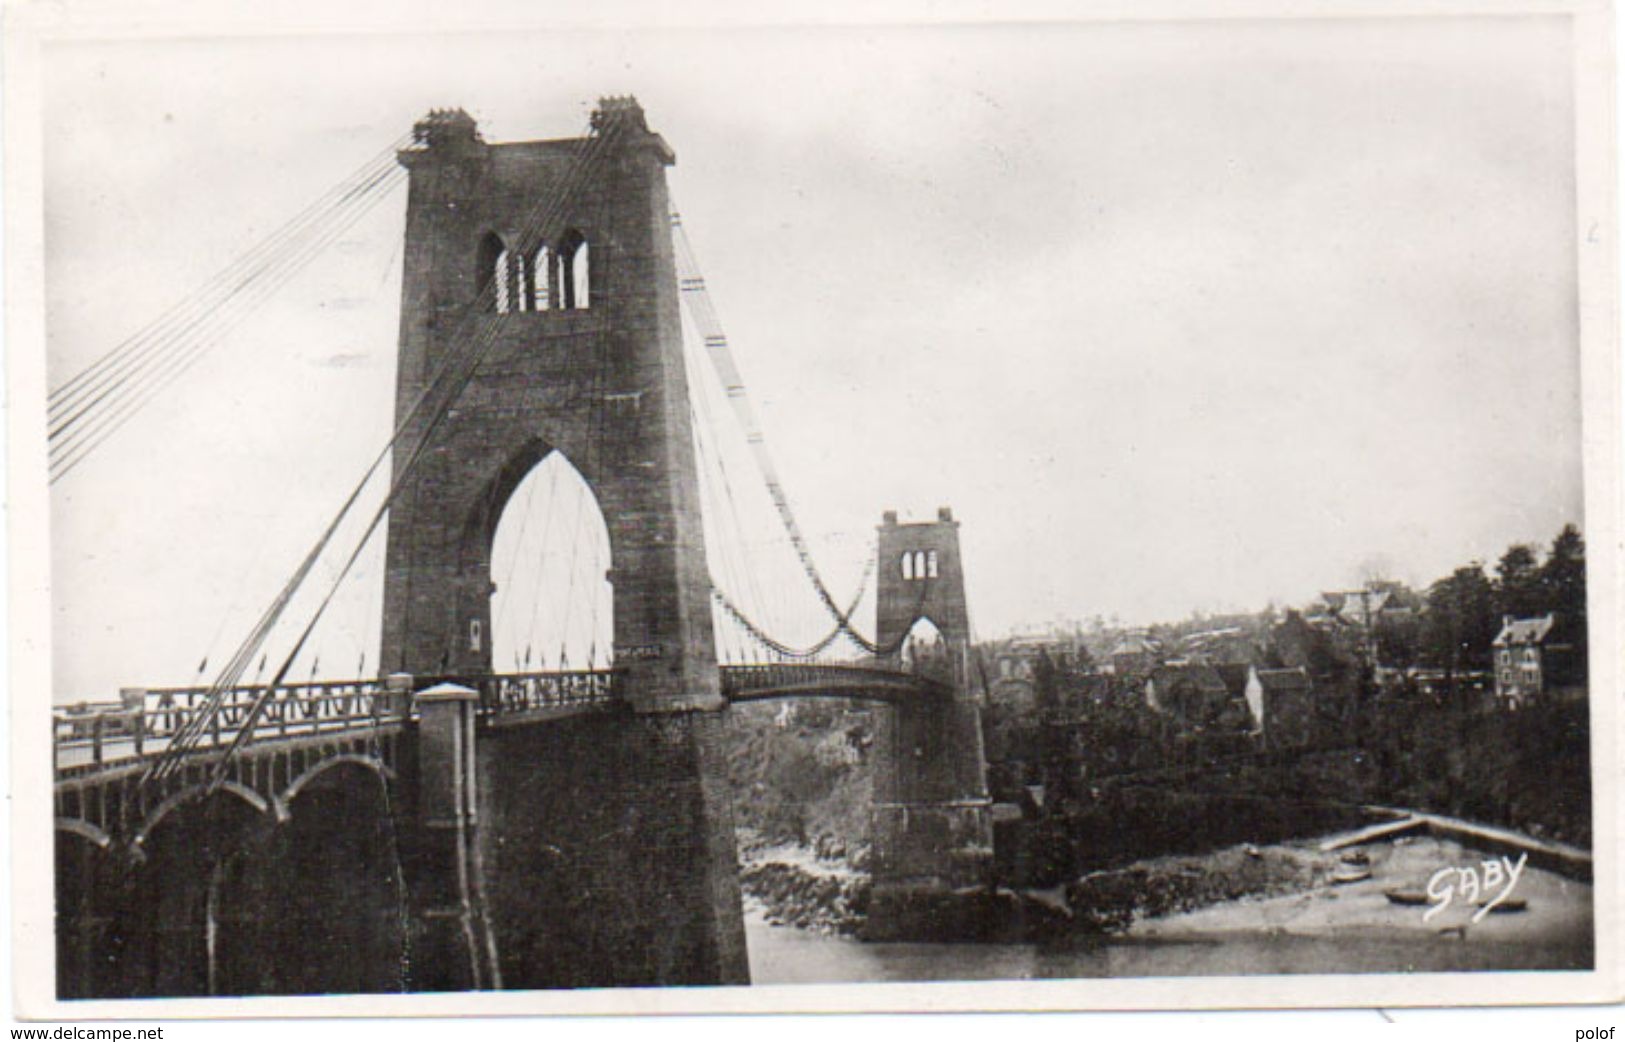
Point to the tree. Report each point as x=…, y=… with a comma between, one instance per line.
x=1398, y=641
x=1562, y=579
x=1460, y=621
x=1044, y=681
x=1563, y=587
x=1518, y=588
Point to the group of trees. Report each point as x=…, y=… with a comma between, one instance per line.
x=1451, y=625
x=1085, y=736
x=1463, y=611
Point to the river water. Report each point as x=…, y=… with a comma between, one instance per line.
x=1342, y=929
x=786, y=955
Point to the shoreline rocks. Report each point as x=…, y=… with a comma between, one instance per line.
x=795, y=888
x=1111, y=901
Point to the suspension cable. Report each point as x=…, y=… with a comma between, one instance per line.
x=588, y=152
x=692, y=284
x=454, y=372
x=96, y=407
x=224, y=281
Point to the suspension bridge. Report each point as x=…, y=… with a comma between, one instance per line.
x=446, y=824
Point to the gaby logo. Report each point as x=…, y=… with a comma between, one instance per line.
x=1492, y=881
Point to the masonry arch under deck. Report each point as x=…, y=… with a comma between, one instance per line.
x=332, y=871
x=201, y=793
x=167, y=947
x=371, y=763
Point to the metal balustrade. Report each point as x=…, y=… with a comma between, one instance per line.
x=142, y=725
x=834, y=680
x=92, y=736
x=503, y=693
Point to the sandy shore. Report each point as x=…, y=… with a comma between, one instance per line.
x=1558, y=912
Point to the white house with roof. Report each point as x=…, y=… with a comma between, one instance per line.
x=1531, y=659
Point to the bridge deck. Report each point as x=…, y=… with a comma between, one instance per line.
x=95, y=738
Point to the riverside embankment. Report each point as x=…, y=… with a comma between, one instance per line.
x=1279, y=913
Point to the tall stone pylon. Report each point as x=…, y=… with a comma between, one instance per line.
x=931, y=830
x=551, y=262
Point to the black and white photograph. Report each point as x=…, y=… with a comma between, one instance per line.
x=887, y=510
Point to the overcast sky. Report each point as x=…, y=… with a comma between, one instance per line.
x=1175, y=316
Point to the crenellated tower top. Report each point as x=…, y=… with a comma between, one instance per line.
x=446, y=128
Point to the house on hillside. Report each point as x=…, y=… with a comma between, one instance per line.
x=1533, y=659
x=1379, y=622
x=1197, y=696
x=1007, y=672
x=1135, y=655
x=1320, y=647
x=1227, y=644
x=1328, y=656
x=1282, y=705
x=1377, y=603
x=1234, y=676
x=1015, y=693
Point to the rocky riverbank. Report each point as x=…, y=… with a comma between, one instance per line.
x=1112, y=901
x=803, y=827
x=789, y=885
x=793, y=886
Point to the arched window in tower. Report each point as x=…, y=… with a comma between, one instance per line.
x=908, y=565
x=542, y=279
x=931, y=564
x=504, y=281
x=574, y=271
x=520, y=294
x=492, y=266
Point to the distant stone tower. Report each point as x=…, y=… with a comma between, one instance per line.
x=921, y=576
x=553, y=261
x=931, y=830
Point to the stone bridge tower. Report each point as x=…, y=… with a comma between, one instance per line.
x=554, y=259
x=932, y=834
x=552, y=263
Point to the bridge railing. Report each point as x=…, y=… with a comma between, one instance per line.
x=507, y=693
x=776, y=676
x=146, y=721
x=89, y=736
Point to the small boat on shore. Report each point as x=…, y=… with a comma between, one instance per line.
x=1401, y=896
x=1511, y=904
x=1350, y=875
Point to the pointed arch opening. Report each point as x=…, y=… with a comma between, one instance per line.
x=552, y=604
x=504, y=279
x=492, y=266
x=543, y=279
x=924, y=641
